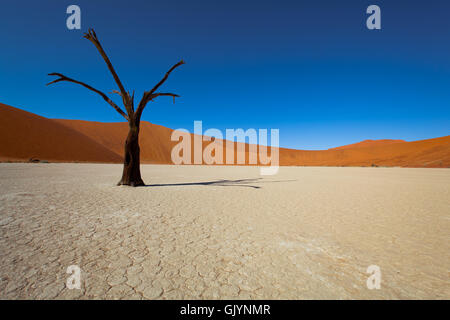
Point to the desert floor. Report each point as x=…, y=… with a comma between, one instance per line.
x=224, y=232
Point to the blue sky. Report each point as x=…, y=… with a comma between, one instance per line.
x=309, y=68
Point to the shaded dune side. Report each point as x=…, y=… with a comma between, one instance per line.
x=154, y=140
x=24, y=135
x=156, y=147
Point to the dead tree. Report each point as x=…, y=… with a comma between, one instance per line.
x=131, y=166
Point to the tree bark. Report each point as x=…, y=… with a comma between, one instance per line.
x=131, y=175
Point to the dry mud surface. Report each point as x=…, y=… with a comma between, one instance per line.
x=198, y=232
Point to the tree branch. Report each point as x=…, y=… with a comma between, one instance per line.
x=104, y=96
x=181, y=62
x=165, y=94
x=132, y=101
x=149, y=95
x=92, y=36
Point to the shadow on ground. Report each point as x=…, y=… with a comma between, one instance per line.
x=249, y=183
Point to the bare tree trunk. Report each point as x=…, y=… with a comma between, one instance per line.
x=131, y=175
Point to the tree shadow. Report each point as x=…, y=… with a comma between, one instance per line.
x=248, y=183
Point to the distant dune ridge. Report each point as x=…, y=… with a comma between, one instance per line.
x=368, y=143
x=24, y=135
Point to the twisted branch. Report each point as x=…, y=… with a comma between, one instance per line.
x=150, y=95
x=92, y=36
x=179, y=63
x=104, y=96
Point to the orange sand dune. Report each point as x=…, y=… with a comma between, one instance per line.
x=24, y=135
x=368, y=144
x=430, y=153
x=154, y=140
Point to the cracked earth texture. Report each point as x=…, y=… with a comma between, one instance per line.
x=206, y=232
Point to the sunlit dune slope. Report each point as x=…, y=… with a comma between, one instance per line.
x=431, y=153
x=24, y=135
x=368, y=144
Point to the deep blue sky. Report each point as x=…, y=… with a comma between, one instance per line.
x=310, y=68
